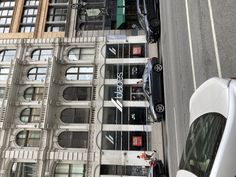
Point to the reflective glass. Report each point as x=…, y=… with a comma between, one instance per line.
x=202, y=144
x=28, y=138
x=73, y=139
x=23, y=169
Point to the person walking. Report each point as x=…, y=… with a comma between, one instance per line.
x=146, y=156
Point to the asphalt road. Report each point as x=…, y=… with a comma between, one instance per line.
x=198, y=41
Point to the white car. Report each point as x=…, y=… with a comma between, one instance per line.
x=211, y=143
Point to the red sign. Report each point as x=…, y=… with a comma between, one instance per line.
x=137, y=50
x=137, y=141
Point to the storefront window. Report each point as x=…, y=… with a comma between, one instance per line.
x=129, y=71
x=132, y=93
x=117, y=140
x=129, y=115
x=123, y=170
x=125, y=51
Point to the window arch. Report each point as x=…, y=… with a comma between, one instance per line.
x=30, y=115
x=69, y=170
x=75, y=115
x=77, y=93
x=72, y=139
x=41, y=54
x=80, y=73
x=37, y=73
x=28, y=138
x=19, y=169
x=34, y=93
x=7, y=55
x=81, y=54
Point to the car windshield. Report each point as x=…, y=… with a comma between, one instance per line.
x=146, y=88
x=140, y=10
x=202, y=144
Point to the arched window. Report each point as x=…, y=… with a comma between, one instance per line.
x=70, y=139
x=4, y=73
x=69, y=170
x=41, y=54
x=23, y=169
x=81, y=54
x=34, y=93
x=28, y=138
x=75, y=115
x=80, y=73
x=77, y=93
x=30, y=115
x=37, y=73
x=7, y=55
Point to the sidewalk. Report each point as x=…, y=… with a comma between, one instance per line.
x=156, y=138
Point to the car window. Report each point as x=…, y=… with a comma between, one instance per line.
x=146, y=81
x=202, y=144
x=141, y=7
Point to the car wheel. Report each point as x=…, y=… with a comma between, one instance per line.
x=159, y=108
x=151, y=40
x=154, y=23
x=157, y=67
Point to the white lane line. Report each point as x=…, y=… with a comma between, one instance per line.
x=176, y=136
x=214, y=40
x=190, y=46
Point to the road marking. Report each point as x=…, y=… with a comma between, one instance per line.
x=190, y=45
x=176, y=136
x=214, y=40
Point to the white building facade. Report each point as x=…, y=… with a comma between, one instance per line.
x=72, y=107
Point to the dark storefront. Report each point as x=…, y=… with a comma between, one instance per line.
x=123, y=170
x=125, y=51
x=130, y=92
x=129, y=115
x=101, y=14
x=126, y=140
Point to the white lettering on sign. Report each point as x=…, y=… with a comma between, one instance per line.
x=112, y=50
x=119, y=92
x=119, y=86
x=117, y=104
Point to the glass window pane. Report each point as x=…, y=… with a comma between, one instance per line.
x=3, y=77
x=2, y=92
x=62, y=168
x=33, y=70
x=42, y=70
x=4, y=70
x=61, y=175
x=23, y=169
x=86, y=69
x=73, y=139
x=72, y=77
x=85, y=77
x=77, y=169
x=72, y=70
x=75, y=115
x=77, y=93
x=202, y=143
